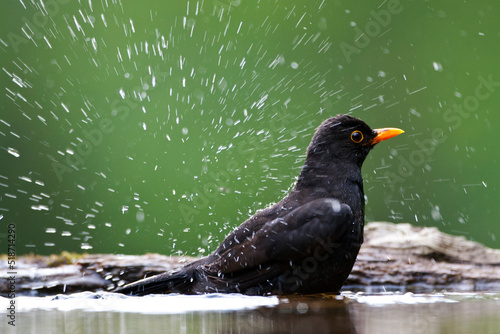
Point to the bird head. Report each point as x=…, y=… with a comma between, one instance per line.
x=347, y=138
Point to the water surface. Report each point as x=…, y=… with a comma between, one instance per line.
x=390, y=312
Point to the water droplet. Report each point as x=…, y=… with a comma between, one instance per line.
x=140, y=216
x=436, y=215
x=302, y=308
x=14, y=152
x=335, y=206
x=437, y=66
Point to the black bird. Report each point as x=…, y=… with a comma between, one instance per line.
x=307, y=242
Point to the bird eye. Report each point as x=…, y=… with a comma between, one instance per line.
x=356, y=136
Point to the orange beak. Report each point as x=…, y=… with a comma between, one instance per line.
x=383, y=134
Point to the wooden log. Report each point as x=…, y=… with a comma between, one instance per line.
x=394, y=256
x=418, y=258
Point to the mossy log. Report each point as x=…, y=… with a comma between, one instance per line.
x=394, y=256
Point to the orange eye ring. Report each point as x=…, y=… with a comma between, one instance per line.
x=357, y=136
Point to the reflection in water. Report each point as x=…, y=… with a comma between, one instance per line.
x=351, y=313
x=291, y=315
x=301, y=315
x=334, y=320
x=469, y=314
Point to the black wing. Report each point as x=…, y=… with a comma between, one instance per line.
x=283, y=240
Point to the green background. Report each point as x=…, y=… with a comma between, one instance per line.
x=134, y=127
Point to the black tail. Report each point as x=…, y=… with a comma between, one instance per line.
x=176, y=282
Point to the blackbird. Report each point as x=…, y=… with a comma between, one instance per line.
x=307, y=242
